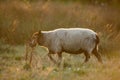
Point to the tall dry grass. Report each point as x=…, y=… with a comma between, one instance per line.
x=19, y=19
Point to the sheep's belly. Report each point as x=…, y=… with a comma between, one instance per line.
x=74, y=52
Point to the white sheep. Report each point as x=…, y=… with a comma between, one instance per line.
x=70, y=40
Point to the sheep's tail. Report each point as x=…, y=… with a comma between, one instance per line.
x=97, y=39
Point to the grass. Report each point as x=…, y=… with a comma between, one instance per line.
x=23, y=18
x=13, y=65
x=19, y=19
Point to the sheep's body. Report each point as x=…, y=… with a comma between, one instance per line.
x=72, y=40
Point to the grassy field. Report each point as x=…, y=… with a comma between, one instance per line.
x=14, y=67
x=19, y=19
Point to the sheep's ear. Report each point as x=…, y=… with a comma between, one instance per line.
x=39, y=31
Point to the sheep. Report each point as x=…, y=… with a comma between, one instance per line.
x=69, y=40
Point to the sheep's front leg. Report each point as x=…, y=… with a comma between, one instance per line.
x=50, y=57
x=59, y=58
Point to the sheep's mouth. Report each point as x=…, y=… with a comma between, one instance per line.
x=33, y=43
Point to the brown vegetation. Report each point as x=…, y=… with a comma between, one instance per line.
x=19, y=19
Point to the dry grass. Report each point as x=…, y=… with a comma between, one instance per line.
x=22, y=18
x=19, y=19
x=12, y=67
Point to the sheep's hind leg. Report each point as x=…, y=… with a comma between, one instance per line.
x=87, y=55
x=98, y=56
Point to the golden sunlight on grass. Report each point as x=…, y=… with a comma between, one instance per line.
x=19, y=19
x=16, y=69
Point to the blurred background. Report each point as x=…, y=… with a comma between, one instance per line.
x=19, y=19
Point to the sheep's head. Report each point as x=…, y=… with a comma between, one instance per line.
x=34, y=39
